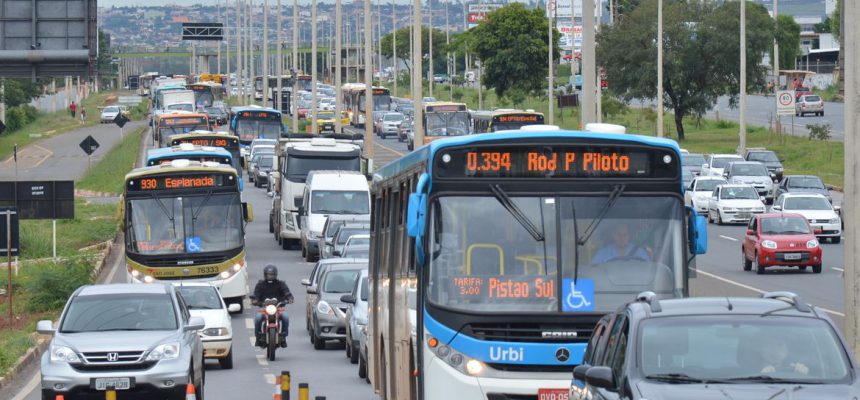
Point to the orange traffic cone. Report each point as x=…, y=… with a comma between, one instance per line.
x=190, y=393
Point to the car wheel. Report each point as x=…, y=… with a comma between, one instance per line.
x=746, y=263
x=816, y=269
x=347, y=346
x=821, y=114
x=227, y=362
x=362, y=367
x=354, y=355
x=719, y=218
x=309, y=257
x=319, y=343
x=271, y=225
x=382, y=135
x=759, y=269
x=304, y=252
x=836, y=239
x=285, y=244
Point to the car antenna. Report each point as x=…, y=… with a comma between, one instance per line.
x=730, y=306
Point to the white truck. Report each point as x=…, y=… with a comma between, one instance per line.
x=297, y=158
x=178, y=101
x=329, y=193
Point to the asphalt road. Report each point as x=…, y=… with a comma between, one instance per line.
x=330, y=374
x=760, y=111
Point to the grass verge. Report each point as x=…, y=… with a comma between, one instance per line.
x=830, y=93
x=107, y=176
x=41, y=287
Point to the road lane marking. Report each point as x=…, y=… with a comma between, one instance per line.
x=728, y=238
x=261, y=359
x=388, y=148
x=29, y=387
x=838, y=269
x=270, y=378
x=47, y=156
x=249, y=323
x=113, y=268
x=757, y=290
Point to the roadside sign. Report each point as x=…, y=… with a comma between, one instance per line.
x=39, y=199
x=12, y=215
x=120, y=120
x=89, y=145
x=785, y=102
x=129, y=100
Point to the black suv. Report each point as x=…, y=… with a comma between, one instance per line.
x=768, y=158
x=775, y=347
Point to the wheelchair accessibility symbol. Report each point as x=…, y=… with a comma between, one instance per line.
x=578, y=295
x=192, y=244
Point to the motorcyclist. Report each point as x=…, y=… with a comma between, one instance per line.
x=271, y=288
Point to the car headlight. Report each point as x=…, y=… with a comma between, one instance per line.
x=271, y=309
x=759, y=209
x=167, y=351
x=779, y=169
x=834, y=221
x=64, y=354
x=768, y=244
x=324, y=308
x=215, y=332
x=812, y=244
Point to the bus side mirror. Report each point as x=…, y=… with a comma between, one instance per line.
x=368, y=172
x=416, y=214
x=248, y=212
x=698, y=232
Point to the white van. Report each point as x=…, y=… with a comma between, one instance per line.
x=329, y=193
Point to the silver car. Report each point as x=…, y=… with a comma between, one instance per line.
x=328, y=313
x=356, y=316
x=809, y=104
x=140, y=339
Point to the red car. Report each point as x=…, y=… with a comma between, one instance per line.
x=785, y=240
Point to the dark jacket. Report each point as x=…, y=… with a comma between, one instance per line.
x=275, y=290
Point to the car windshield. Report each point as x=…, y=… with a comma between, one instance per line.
x=806, y=203
x=484, y=258
x=742, y=349
x=393, y=117
x=708, y=185
x=298, y=167
x=692, y=160
x=811, y=99
x=784, y=226
x=325, y=115
x=266, y=161
x=178, y=225
x=351, y=251
x=805, y=182
x=721, y=162
x=340, y=202
x=346, y=233
x=363, y=289
x=215, y=111
x=200, y=297
x=738, y=193
x=356, y=240
x=447, y=123
x=763, y=156
x=120, y=312
x=111, y=109
x=339, y=281
x=749, y=170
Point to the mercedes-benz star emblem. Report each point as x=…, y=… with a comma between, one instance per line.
x=562, y=354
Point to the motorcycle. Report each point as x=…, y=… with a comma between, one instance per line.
x=271, y=326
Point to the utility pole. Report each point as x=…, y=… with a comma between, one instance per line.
x=249, y=21
x=368, y=81
x=776, y=66
x=227, y=43
x=430, y=59
x=448, y=55
x=280, y=58
x=294, y=69
x=742, y=132
x=314, y=66
x=851, y=12
x=660, y=68
x=338, y=43
x=417, y=87
x=379, y=36
x=589, y=64
x=220, y=18
x=265, y=52
x=394, y=44
x=550, y=11
x=239, y=75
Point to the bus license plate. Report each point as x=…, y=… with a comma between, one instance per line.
x=792, y=256
x=117, y=383
x=553, y=394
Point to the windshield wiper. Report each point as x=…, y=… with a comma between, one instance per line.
x=678, y=378
x=763, y=378
x=613, y=197
x=518, y=214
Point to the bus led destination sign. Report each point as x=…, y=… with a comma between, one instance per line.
x=174, y=182
x=504, y=287
x=555, y=162
x=203, y=141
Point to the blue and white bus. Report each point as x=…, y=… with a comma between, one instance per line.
x=255, y=122
x=493, y=256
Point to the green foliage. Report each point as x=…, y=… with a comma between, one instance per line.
x=512, y=45
x=49, y=285
x=788, y=37
x=108, y=175
x=610, y=106
x=20, y=91
x=404, y=52
x=20, y=116
x=836, y=19
x=516, y=96
x=457, y=95
x=701, y=46
x=819, y=131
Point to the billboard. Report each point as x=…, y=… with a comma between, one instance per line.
x=47, y=38
x=478, y=12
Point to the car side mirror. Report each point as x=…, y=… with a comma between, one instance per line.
x=234, y=308
x=195, y=324
x=306, y=282
x=704, y=166
x=336, y=253
x=580, y=371
x=600, y=377
x=45, y=327
x=312, y=290
x=297, y=202
x=329, y=243
x=762, y=198
x=301, y=210
x=348, y=299
x=776, y=207
x=750, y=232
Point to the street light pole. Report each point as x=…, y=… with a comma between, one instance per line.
x=742, y=132
x=551, y=5
x=417, y=69
x=265, y=51
x=239, y=75
x=660, y=68
x=589, y=64
x=368, y=81
x=338, y=101
x=314, y=66
x=280, y=57
x=776, y=64
x=394, y=44
x=851, y=12
x=430, y=50
x=295, y=68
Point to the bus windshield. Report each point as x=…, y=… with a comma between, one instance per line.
x=485, y=258
x=180, y=225
x=250, y=129
x=381, y=102
x=447, y=124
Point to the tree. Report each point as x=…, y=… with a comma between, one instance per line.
x=404, y=53
x=20, y=91
x=788, y=37
x=512, y=46
x=700, y=53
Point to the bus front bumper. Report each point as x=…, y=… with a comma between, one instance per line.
x=234, y=287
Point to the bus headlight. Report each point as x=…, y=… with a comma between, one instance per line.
x=455, y=359
x=148, y=279
x=134, y=273
x=227, y=273
x=474, y=367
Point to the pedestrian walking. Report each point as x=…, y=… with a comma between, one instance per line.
x=83, y=116
x=73, y=107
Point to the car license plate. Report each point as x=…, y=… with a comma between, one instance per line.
x=117, y=383
x=793, y=256
x=553, y=394
x=744, y=215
